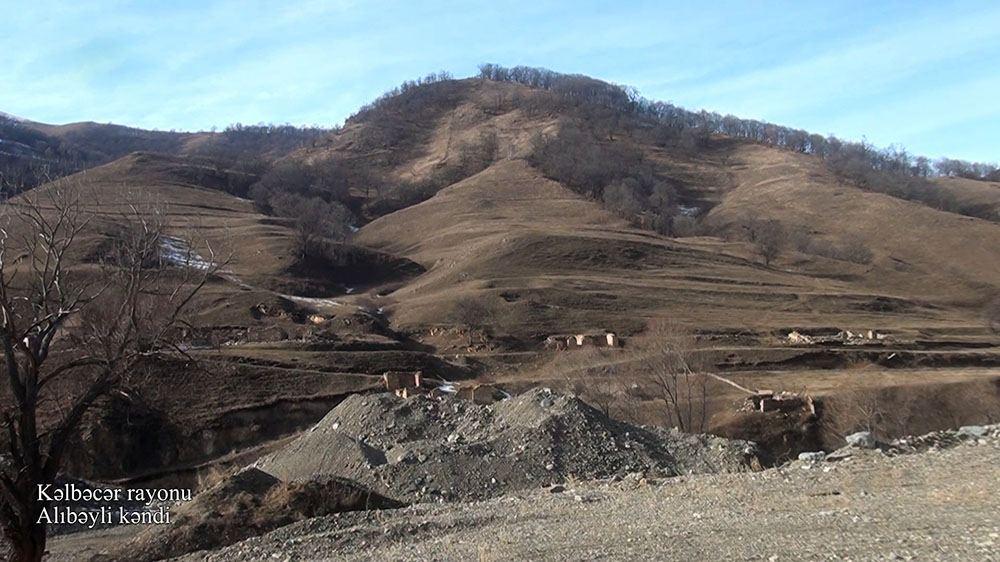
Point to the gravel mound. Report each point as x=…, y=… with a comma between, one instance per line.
x=925, y=506
x=443, y=449
x=248, y=503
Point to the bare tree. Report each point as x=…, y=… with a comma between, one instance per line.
x=72, y=335
x=630, y=395
x=767, y=236
x=316, y=221
x=472, y=314
x=683, y=391
x=477, y=156
x=857, y=407
x=601, y=394
x=623, y=197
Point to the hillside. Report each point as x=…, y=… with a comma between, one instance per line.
x=981, y=197
x=33, y=153
x=469, y=189
x=246, y=361
x=526, y=296
x=918, y=251
x=471, y=231
x=549, y=260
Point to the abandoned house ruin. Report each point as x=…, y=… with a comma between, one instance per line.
x=396, y=380
x=575, y=341
x=843, y=337
x=482, y=393
x=771, y=401
x=407, y=384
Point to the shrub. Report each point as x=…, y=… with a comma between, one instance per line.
x=316, y=222
x=853, y=249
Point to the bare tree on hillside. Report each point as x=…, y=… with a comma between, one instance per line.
x=474, y=157
x=682, y=390
x=601, y=394
x=316, y=221
x=71, y=336
x=852, y=249
x=624, y=197
x=767, y=236
x=472, y=314
x=858, y=405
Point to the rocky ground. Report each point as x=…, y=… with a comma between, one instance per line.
x=545, y=476
x=381, y=451
x=937, y=503
x=425, y=449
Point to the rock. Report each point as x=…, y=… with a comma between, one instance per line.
x=972, y=431
x=557, y=489
x=814, y=456
x=839, y=455
x=861, y=440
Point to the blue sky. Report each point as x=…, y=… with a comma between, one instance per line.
x=922, y=74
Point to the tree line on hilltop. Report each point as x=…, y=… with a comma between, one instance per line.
x=583, y=90
x=325, y=199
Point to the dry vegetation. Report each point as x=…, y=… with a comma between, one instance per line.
x=71, y=338
x=453, y=225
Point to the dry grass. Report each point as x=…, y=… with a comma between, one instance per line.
x=920, y=253
x=553, y=262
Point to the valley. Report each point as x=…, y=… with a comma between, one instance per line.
x=477, y=272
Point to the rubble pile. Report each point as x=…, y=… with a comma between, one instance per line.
x=843, y=337
x=445, y=449
x=936, y=440
x=945, y=439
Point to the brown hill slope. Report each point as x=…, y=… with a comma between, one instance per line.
x=553, y=261
x=919, y=252
x=191, y=197
x=981, y=198
x=510, y=230
x=548, y=260
x=247, y=361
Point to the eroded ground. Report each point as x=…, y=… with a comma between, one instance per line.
x=937, y=505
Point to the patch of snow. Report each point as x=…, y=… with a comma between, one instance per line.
x=177, y=252
x=314, y=301
x=689, y=210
